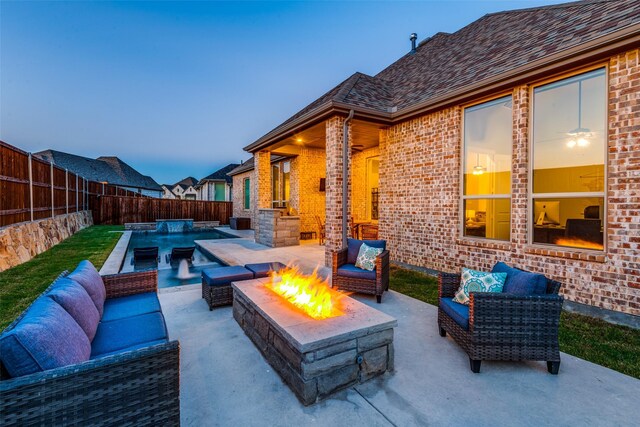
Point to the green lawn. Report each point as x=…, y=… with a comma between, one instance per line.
x=613, y=346
x=20, y=285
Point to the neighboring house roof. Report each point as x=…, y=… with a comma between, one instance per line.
x=188, y=181
x=103, y=169
x=220, y=174
x=498, y=44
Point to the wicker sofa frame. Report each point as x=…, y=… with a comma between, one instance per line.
x=504, y=326
x=372, y=287
x=134, y=388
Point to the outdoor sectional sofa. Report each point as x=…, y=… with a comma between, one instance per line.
x=521, y=323
x=91, y=350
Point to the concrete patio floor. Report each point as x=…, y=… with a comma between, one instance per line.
x=225, y=381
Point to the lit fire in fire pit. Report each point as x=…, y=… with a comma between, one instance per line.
x=311, y=294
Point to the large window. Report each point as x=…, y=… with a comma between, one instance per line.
x=486, y=193
x=569, y=122
x=247, y=193
x=280, y=185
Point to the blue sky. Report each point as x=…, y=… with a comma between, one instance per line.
x=177, y=89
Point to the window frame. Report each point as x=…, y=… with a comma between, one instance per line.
x=591, y=194
x=281, y=202
x=462, y=214
x=246, y=206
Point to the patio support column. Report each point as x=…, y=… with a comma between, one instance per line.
x=333, y=206
x=261, y=185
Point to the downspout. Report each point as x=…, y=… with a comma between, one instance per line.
x=345, y=177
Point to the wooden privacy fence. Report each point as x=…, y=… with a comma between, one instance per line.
x=120, y=210
x=32, y=189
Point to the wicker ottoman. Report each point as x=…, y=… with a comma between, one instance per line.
x=263, y=269
x=216, y=284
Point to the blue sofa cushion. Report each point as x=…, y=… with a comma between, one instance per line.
x=133, y=347
x=77, y=302
x=129, y=306
x=458, y=312
x=225, y=275
x=350, y=270
x=123, y=333
x=263, y=269
x=353, y=247
x=87, y=275
x=521, y=282
x=46, y=337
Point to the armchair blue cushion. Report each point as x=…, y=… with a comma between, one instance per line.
x=350, y=270
x=87, y=275
x=129, y=306
x=353, y=247
x=458, y=312
x=128, y=332
x=521, y=282
x=46, y=337
x=77, y=302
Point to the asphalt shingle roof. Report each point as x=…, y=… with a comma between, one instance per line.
x=221, y=174
x=103, y=169
x=492, y=45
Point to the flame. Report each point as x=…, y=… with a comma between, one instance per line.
x=579, y=243
x=310, y=294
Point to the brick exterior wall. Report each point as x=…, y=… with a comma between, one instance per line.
x=238, y=196
x=420, y=199
x=306, y=198
x=333, y=205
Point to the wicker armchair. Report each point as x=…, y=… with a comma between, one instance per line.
x=505, y=326
x=366, y=286
x=138, y=387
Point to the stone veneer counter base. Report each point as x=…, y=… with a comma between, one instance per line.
x=315, y=357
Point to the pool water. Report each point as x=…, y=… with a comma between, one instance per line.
x=167, y=274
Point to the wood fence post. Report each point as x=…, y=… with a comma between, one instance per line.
x=53, y=210
x=77, y=207
x=30, y=187
x=66, y=187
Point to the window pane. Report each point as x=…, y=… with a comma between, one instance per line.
x=247, y=193
x=487, y=148
x=490, y=218
x=569, y=119
x=219, y=196
x=285, y=180
x=575, y=222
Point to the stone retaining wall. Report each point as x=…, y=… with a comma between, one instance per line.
x=23, y=241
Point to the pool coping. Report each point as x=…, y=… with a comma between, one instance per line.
x=114, y=262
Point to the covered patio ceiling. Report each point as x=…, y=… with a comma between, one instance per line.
x=364, y=135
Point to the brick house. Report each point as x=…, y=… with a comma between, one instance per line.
x=217, y=186
x=514, y=138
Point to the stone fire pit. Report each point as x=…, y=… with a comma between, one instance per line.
x=315, y=357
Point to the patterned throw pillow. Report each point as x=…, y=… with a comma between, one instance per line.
x=367, y=257
x=477, y=281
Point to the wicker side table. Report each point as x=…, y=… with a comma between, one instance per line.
x=216, y=284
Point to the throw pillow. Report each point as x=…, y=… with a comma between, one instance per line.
x=367, y=257
x=478, y=281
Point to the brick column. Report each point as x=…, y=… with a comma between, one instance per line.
x=260, y=186
x=520, y=218
x=333, y=194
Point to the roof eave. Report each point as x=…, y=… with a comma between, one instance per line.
x=314, y=116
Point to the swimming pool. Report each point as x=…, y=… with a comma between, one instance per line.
x=168, y=274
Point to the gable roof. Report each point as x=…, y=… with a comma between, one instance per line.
x=246, y=166
x=103, y=169
x=220, y=174
x=494, y=49
x=188, y=181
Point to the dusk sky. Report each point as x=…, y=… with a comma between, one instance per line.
x=177, y=89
